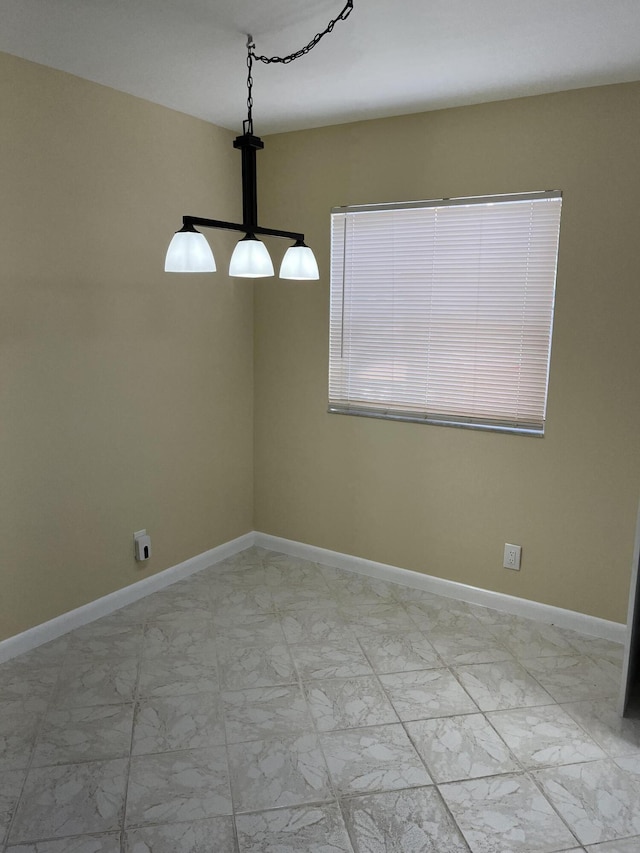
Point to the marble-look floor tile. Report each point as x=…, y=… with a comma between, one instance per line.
x=543, y=736
x=526, y=638
x=379, y=758
x=264, y=712
x=282, y=570
x=178, y=786
x=571, y=678
x=201, y=583
x=133, y=614
x=106, y=641
x=285, y=771
x=11, y=783
x=488, y=616
x=596, y=647
x=18, y=729
x=50, y=655
x=71, y=799
x=501, y=686
x=102, y=682
x=503, y=813
x=411, y=595
x=331, y=574
x=631, y=764
x=330, y=660
x=70, y=735
x=456, y=748
x=356, y=584
x=22, y=682
x=179, y=637
x=304, y=829
x=29, y=705
x=243, y=601
x=478, y=647
x=316, y=626
x=598, y=800
x=400, y=652
x=236, y=577
x=348, y=703
x=373, y=620
x=612, y=668
x=359, y=591
x=252, y=557
x=600, y=717
x=193, y=721
x=170, y=602
x=258, y=629
x=429, y=693
x=409, y=821
x=246, y=577
x=624, y=845
x=444, y=616
x=213, y=835
x=176, y=677
x=255, y=666
x=109, y=843
x=297, y=597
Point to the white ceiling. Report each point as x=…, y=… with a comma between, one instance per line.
x=388, y=58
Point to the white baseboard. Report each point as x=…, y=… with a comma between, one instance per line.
x=54, y=628
x=546, y=613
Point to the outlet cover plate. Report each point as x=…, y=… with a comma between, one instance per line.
x=512, y=556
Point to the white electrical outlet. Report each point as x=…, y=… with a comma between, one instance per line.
x=512, y=555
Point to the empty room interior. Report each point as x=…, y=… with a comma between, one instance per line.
x=360, y=623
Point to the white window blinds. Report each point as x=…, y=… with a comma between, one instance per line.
x=442, y=311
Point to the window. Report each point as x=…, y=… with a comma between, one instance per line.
x=441, y=311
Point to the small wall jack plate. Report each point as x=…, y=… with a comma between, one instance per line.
x=141, y=545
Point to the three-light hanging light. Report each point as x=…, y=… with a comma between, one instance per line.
x=189, y=250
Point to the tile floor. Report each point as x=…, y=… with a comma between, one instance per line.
x=271, y=705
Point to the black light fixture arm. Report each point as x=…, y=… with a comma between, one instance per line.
x=189, y=222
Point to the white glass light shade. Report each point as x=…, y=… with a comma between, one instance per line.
x=299, y=263
x=250, y=259
x=189, y=251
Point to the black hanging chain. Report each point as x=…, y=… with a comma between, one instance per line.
x=285, y=60
x=314, y=41
x=247, y=124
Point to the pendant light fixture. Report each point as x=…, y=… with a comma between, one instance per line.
x=189, y=250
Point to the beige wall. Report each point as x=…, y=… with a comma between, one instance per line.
x=125, y=393
x=442, y=500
